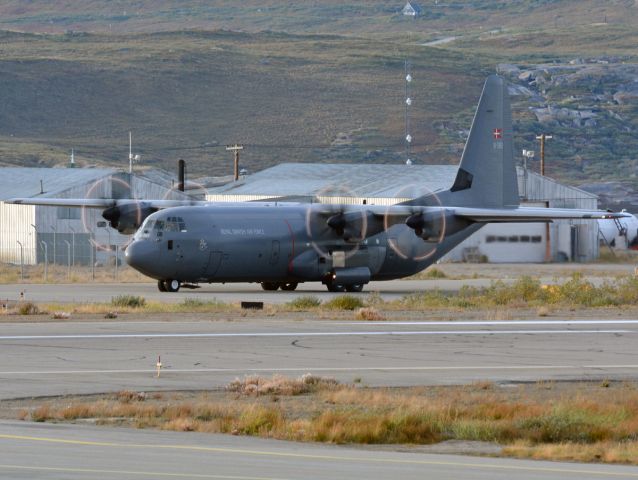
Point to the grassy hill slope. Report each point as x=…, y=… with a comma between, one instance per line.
x=189, y=77
x=190, y=93
x=378, y=17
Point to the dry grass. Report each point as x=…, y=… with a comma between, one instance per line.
x=606, y=452
x=304, y=303
x=584, y=422
x=343, y=302
x=499, y=301
x=528, y=292
x=543, y=311
x=280, y=385
x=10, y=274
x=27, y=308
x=369, y=314
x=119, y=305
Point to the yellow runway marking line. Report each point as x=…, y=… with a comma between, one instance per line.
x=130, y=472
x=332, y=458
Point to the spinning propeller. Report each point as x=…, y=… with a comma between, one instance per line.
x=428, y=224
x=335, y=225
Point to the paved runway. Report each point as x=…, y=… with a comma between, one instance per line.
x=36, y=451
x=41, y=359
x=60, y=358
x=104, y=292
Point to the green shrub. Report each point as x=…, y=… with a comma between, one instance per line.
x=304, y=303
x=131, y=301
x=344, y=302
x=28, y=308
x=434, y=273
x=197, y=304
x=192, y=303
x=564, y=425
x=432, y=299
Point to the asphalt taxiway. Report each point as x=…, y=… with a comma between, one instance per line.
x=39, y=359
x=236, y=292
x=36, y=451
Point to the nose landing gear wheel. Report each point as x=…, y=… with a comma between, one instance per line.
x=161, y=285
x=289, y=286
x=269, y=286
x=172, y=285
x=357, y=287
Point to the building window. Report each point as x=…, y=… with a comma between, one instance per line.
x=525, y=238
x=69, y=213
x=490, y=239
x=537, y=239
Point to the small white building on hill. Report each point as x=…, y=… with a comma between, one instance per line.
x=411, y=9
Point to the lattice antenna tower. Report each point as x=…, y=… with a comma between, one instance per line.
x=408, y=104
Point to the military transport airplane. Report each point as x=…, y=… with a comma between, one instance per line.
x=281, y=244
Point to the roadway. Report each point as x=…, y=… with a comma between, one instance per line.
x=39, y=359
x=36, y=451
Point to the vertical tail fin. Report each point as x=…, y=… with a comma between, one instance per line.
x=487, y=175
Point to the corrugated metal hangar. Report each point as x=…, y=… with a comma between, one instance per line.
x=389, y=184
x=34, y=233
x=55, y=233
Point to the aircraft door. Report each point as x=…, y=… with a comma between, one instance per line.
x=214, y=261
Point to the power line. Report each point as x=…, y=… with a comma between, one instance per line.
x=310, y=147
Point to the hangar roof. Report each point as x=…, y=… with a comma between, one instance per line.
x=375, y=181
x=25, y=182
x=358, y=180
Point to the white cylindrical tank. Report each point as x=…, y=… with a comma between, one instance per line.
x=609, y=229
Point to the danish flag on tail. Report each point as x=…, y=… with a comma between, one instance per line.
x=498, y=133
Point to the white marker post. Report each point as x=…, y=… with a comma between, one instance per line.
x=159, y=365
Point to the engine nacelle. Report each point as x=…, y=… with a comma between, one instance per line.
x=126, y=218
x=433, y=225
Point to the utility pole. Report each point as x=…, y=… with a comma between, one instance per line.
x=542, y=137
x=235, y=149
x=548, y=249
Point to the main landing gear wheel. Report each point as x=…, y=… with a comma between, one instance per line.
x=161, y=285
x=270, y=286
x=335, y=287
x=172, y=285
x=357, y=287
x=289, y=287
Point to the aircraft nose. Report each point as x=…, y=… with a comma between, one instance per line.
x=142, y=256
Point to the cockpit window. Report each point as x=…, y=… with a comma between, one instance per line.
x=159, y=225
x=175, y=224
x=147, y=228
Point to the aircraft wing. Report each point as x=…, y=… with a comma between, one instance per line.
x=101, y=202
x=531, y=214
x=379, y=218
